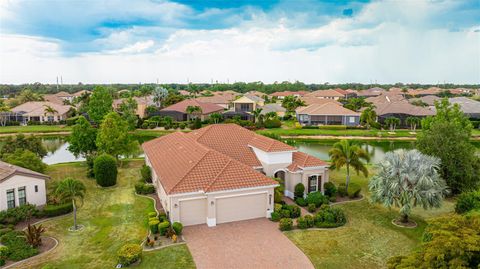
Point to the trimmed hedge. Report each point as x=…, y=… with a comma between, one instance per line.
x=299, y=190
x=286, y=224
x=146, y=173
x=311, y=208
x=305, y=222
x=273, y=123
x=341, y=190
x=329, y=217
x=105, y=170
x=330, y=189
x=129, y=253
x=178, y=227
x=57, y=210
x=275, y=216
x=354, y=190
x=163, y=227
x=18, y=214
x=333, y=127
x=301, y=201
x=142, y=188
x=316, y=198
x=153, y=224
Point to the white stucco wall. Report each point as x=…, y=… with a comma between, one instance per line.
x=273, y=161
x=36, y=198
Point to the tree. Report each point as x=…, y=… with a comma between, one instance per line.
x=113, y=137
x=27, y=95
x=25, y=159
x=447, y=136
x=21, y=142
x=193, y=111
x=448, y=242
x=256, y=113
x=193, y=89
x=100, y=104
x=146, y=89
x=216, y=117
x=392, y=122
x=159, y=95
x=71, y=190
x=368, y=117
x=128, y=110
x=356, y=104
x=291, y=103
x=33, y=234
x=408, y=178
x=105, y=170
x=82, y=140
x=270, y=115
x=173, y=99
x=413, y=122
x=4, y=113
x=346, y=153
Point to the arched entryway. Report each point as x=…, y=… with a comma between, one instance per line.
x=280, y=174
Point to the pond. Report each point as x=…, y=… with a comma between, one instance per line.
x=57, y=148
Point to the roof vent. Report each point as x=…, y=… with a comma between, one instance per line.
x=388, y=99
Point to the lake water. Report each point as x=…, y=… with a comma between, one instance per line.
x=58, y=148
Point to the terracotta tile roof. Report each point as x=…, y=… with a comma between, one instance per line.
x=79, y=93
x=326, y=109
x=38, y=108
x=401, y=107
x=64, y=94
x=289, y=93
x=207, y=108
x=427, y=99
x=184, y=165
x=375, y=91
x=301, y=160
x=341, y=91
x=325, y=93
x=53, y=98
x=386, y=97
x=8, y=170
x=314, y=100
x=215, y=99
x=429, y=91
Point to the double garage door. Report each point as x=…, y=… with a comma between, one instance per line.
x=228, y=208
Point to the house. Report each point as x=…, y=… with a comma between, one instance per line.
x=327, y=114
x=142, y=104
x=425, y=92
x=429, y=100
x=308, y=100
x=327, y=94
x=178, y=111
x=386, y=97
x=247, y=103
x=53, y=99
x=400, y=109
x=37, y=111
x=282, y=95
x=277, y=108
x=372, y=92
x=470, y=107
x=218, y=99
x=221, y=173
x=19, y=186
x=65, y=96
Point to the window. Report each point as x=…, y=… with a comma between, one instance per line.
x=22, y=196
x=312, y=183
x=11, y=198
x=50, y=118
x=36, y=188
x=245, y=107
x=351, y=119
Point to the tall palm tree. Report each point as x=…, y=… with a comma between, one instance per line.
x=193, y=110
x=408, y=178
x=256, y=113
x=73, y=190
x=413, y=122
x=193, y=89
x=159, y=95
x=270, y=115
x=49, y=110
x=368, y=117
x=348, y=154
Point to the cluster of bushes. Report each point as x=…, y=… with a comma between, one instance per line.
x=353, y=190
x=129, y=254
x=330, y=191
x=468, y=201
x=71, y=121
x=312, y=201
x=160, y=225
x=143, y=186
x=326, y=127
x=238, y=121
x=167, y=122
x=326, y=217
x=285, y=211
x=273, y=123
x=18, y=214
x=105, y=170
x=61, y=122
x=15, y=246
x=57, y=210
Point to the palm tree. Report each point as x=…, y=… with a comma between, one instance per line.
x=346, y=153
x=216, y=117
x=368, y=117
x=193, y=110
x=4, y=114
x=270, y=115
x=193, y=89
x=159, y=95
x=413, y=122
x=392, y=122
x=73, y=190
x=49, y=110
x=408, y=178
x=256, y=113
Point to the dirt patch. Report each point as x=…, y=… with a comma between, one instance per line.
x=410, y=224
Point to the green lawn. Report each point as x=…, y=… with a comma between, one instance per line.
x=112, y=217
x=34, y=129
x=331, y=132
x=368, y=239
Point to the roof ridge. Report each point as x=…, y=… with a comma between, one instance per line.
x=189, y=170
x=216, y=177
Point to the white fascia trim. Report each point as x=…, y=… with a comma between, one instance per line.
x=313, y=168
x=246, y=189
x=241, y=194
x=192, y=198
x=274, y=152
x=186, y=193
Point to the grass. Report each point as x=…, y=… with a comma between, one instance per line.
x=112, y=217
x=34, y=129
x=368, y=239
x=332, y=132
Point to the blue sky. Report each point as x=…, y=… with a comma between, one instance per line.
x=242, y=40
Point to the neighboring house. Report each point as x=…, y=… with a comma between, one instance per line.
x=327, y=94
x=218, y=99
x=54, y=99
x=277, y=108
x=142, y=104
x=372, y=92
x=36, y=111
x=327, y=114
x=178, y=111
x=314, y=100
x=470, y=107
x=65, y=96
x=19, y=186
x=220, y=173
x=256, y=93
x=428, y=99
x=247, y=103
x=386, y=97
x=400, y=109
x=282, y=95
x=422, y=92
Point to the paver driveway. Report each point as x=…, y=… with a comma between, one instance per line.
x=244, y=244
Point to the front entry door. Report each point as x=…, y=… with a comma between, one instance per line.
x=312, y=183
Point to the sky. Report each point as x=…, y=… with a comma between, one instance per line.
x=145, y=41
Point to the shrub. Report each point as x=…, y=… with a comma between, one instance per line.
x=17, y=245
x=105, y=170
x=277, y=207
x=146, y=173
x=273, y=123
x=196, y=124
x=182, y=125
x=330, y=189
x=311, y=208
x=333, y=127
x=295, y=211
x=302, y=223
x=467, y=201
x=301, y=201
x=152, y=214
x=3, y=254
x=153, y=224
x=286, y=224
x=275, y=216
x=71, y=121
x=299, y=190
x=57, y=210
x=162, y=217
x=329, y=217
x=142, y=188
x=341, y=190
x=129, y=253
x=178, y=227
x=354, y=190
x=18, y=214
x=316, y=198
x=163, y=227
x=310, y=221
x=285, y=213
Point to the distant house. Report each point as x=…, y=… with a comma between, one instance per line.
x=425, y=92
x=327, y=94
x=247, y=103
x=327, y=114
x=217, y=99
x=282, y=95
x=142, y=104
x=401, y=110
x=65, y=96
x=80, y=93
x=429, y=100
x=308, y=100
x=372, y=92
x=37, y=111
x=277, y=108
x=19, y=186
x=470, y=107
x=386, y=97
x=178, y=111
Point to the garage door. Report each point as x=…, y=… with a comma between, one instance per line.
x=193, y=211
x=243, y=207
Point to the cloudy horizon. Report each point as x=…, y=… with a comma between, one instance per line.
x=226, y=41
